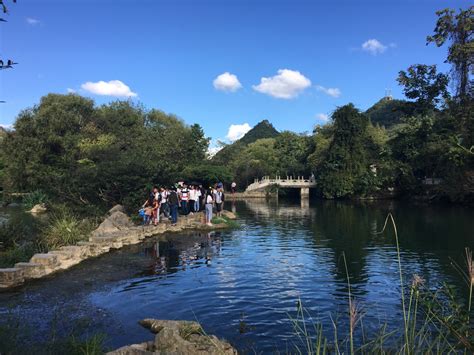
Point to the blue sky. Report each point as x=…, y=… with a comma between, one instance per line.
x=169, y=55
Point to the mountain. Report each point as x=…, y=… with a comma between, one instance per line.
x=263, y=129
x=387, y=112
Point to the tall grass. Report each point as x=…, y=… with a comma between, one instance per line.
x=65, y=228
x=434, y=321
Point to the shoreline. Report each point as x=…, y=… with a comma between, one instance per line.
x=114, y=232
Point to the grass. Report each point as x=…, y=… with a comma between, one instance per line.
x=65, y=228
x=18, y=242
x=434, y=320
x=225, y=220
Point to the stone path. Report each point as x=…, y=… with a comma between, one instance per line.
x=113, y=233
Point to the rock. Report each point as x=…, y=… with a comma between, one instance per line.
x=104, y=229
x=31, y=270
x=40, y=208
x=229, y=214
x=120, y=220
x=177, y=337
x=117, y=208
x=11, y=277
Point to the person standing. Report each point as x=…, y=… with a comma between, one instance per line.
x=219, y=200
x=233, y=187
x=173, y=202
x=164, y=202
x=202, y=202
x=209, y=199
x=156, y=205
x=184, y=198
x=198, y=199
x=192, y=199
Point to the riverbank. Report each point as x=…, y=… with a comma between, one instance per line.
x=116, y=231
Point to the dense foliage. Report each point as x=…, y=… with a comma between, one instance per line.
x=86, y=155
x=422, y=147
x=83, y=155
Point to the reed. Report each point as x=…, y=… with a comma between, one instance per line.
x=434, y=321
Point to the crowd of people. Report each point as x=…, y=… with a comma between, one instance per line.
x=182, y=199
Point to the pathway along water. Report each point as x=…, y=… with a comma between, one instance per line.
x=243, y=285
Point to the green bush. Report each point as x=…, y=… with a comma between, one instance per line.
x=18, y=242
x=16, y=254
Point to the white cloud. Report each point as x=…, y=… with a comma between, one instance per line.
x=227, y=82
x=334, y=92
x=111, y=88
x=70, y=91
x=374, y=47
x=322, y=117
x=6, y=126
x=287, y=84
x=237, y=131
x=32, y=21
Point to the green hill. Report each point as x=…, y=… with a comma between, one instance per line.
x=263, y=129
x=389, y=112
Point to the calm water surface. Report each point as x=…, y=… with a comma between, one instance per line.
x=254, y=275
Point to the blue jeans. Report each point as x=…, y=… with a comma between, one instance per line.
x=196, y=205
x=174, y=213
x=184, y=207
x=208, y=212
x=165, y=208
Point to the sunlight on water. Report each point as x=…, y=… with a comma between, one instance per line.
x=256, y=274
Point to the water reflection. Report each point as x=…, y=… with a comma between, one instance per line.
x=284, y=251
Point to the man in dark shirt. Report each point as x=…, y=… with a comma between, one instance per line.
x=173, y=202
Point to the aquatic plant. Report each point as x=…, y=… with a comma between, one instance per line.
x=225, y=220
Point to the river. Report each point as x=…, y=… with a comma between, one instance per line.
x=244, y=285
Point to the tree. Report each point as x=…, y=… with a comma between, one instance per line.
x=422, y=83
x=459, y=29
x=198, y=144
x=346, y=162
x=258, y=159
x=86, y=155
x=292, y=151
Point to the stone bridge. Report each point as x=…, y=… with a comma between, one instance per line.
x=290, y=182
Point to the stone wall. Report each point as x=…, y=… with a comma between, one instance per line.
x=113, y=233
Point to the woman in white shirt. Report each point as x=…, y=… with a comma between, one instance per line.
x=209, y=205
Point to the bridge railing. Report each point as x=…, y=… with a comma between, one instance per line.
x=278, y=180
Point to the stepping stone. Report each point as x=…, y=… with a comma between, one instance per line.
x=11, y=277
x=48, y=260
x=31, y=270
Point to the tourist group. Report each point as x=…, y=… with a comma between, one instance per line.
x=182, y=199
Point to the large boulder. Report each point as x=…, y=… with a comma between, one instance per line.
x=177, y=337
x=117, y=208
x=120, y=220
x=113, y=224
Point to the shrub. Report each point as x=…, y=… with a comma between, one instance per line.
x=16, y=254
